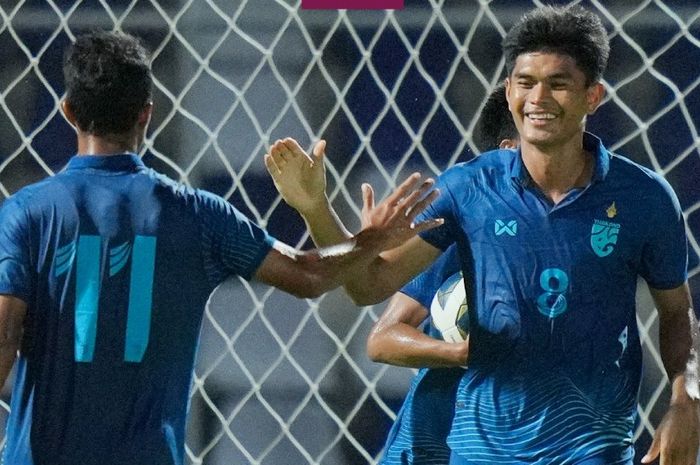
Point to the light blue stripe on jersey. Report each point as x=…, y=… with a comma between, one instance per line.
x=494, y=424
x=87, y=297
x=419, y=435
x=138, y=323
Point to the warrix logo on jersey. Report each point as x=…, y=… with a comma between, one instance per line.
x=509, y=228
x=604, y=234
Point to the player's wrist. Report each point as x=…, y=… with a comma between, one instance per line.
x=313, y=206
x=682, y=393
x=460, y=352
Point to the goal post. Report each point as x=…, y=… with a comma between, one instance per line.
x=283, y=380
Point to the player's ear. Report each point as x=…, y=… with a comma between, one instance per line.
x=508, y=144
x=594, y=95
x=507, y=86
x=68, y=113
x=145, y=114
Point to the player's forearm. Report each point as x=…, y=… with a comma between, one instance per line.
x=308, y=274
x=12, y=314
x=389, y=271
x=678, y=341
x=324, y=225
x=405, y=345
x=8, y=354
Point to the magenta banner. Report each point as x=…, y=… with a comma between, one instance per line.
x=352, y=4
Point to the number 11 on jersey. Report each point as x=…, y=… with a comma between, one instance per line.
x=87, y=296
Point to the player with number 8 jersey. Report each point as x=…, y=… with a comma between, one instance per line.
x=553, y=238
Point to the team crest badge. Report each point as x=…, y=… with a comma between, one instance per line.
x=604, y=236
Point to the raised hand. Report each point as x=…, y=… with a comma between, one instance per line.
x=395, y=215
x=299, y=178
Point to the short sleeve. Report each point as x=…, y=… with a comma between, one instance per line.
x=15, y=265
x=233, y=244
x=424, y=286
x=664, y=263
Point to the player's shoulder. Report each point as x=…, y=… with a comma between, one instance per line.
x=34, y=195
x=183, y=193
x=636, y=177
x=623, y=166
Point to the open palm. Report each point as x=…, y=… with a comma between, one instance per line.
x=299, y=178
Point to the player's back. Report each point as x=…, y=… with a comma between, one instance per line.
x=121, y=263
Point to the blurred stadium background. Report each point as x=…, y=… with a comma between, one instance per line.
x=286, y=381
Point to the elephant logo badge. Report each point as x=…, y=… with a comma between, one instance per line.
x=604, y=237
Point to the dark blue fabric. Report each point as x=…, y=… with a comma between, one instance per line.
x=69, y=247
x=555, y=357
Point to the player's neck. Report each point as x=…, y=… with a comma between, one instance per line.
x=558, y=170
x=109, y=144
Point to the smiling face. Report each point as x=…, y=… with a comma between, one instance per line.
x=549, y=99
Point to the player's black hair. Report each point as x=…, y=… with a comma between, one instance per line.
x=572, y=31
x=495, y=122
x=108, y=81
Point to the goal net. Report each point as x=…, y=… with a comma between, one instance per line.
x=281, y=380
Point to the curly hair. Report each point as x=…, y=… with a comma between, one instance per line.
x=572, y=31
x=108, y=81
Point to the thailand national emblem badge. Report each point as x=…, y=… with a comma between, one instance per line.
x=604, y=234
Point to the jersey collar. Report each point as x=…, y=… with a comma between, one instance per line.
x=122, y=162
x=591, y=143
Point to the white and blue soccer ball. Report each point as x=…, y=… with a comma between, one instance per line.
x=449, y=310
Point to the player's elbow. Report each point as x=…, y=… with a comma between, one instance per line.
x=374, y=348
x=376, y=355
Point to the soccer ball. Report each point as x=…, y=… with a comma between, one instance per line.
x=448, y=309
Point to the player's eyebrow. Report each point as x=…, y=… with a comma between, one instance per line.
x=564, y=75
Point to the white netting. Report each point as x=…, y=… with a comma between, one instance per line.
x=281, y=380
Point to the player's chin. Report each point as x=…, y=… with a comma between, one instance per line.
x=541, y=137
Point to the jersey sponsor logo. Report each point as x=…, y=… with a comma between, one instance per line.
x=604, y=236
x=509, y=228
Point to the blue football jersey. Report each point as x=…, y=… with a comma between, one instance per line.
x=419, y=434
x=555, y=356
x=116, y=263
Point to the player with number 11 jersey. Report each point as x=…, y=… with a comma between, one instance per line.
x=111, y=340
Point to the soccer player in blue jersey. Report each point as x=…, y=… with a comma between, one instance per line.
x=552, y=239
x=106, y=267
x=418, y=436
